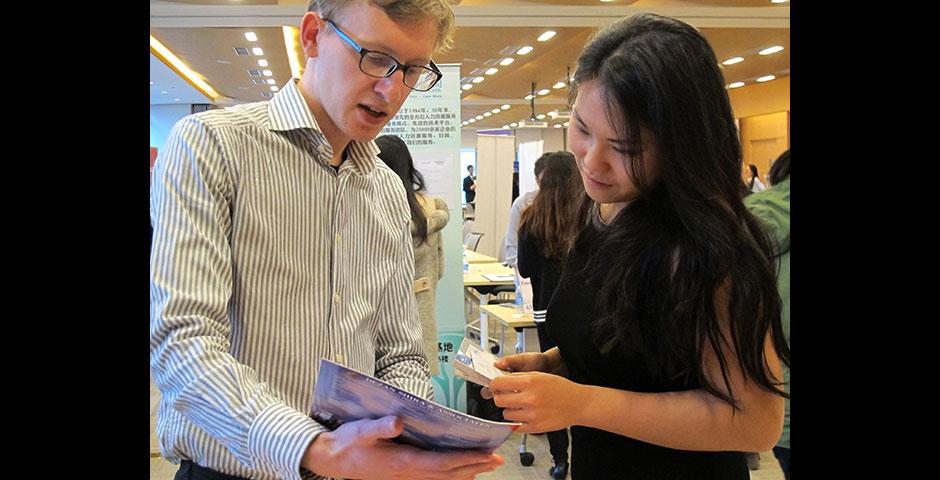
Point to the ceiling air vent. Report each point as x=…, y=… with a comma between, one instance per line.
x=254, y=73
x=258, y=81
x=267, y=94
x=242, y=51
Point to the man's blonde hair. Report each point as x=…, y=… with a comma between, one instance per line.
x=402, y=11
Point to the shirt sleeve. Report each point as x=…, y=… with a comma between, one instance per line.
x=512, y=231
x=528, y=263
x=190, y=290
x=400, y=358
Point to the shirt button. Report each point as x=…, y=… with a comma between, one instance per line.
x=338, y=358
x=335, y=298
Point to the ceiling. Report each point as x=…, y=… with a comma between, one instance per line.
x=205, y=33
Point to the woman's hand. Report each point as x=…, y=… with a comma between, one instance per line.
x=549, y=361
x=542, y=401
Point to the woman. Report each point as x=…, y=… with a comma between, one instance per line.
x=754, y=184
x=667, y=316
x=546, y=231
x=428, y=218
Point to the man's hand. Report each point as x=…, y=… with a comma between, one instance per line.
x=364, y=450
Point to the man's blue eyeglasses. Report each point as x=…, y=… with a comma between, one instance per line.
x=382, y=65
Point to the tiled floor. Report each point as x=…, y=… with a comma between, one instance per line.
x=160, y=469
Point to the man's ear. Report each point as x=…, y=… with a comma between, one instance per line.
x=310, y=27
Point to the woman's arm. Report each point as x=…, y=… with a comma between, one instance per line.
x=687, y=420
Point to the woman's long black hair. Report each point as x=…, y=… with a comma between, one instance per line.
x=750, y=183
x=396, y=155
x=555, y=215
x=688, y=234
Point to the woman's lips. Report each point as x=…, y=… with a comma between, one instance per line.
x=597, y=184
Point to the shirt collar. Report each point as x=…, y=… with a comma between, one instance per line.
x=289, y=111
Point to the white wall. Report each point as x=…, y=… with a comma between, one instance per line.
x=495, y=155
x=162, y=118
x=553, y=139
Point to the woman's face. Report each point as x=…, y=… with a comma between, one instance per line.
x=602, y=156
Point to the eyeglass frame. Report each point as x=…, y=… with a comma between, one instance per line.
x=362, y=51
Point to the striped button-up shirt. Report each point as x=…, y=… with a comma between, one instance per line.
x=264, y=260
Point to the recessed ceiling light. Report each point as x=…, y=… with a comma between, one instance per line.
x=765, y=78
x=778, y=1
x=557, y=125
x=496, y=110
x=274, y=88
x=506, y=106
x=477, y=80
x=176, y=99
x=271, y=81
x=544, y=91
x=487, y=114
x=491, y=71
x=467, y=86
x=479, y=117
x=732, y=61
x=267, y=73
x=524, y=50
x=251, y=37
x=559, y=85
x=507, y=61
x=528, y=97
x=262, y=63
x=257, y=51
x=564, y=124
x=513, y=124
x=505, y=127
x=736, y=85
x=540, y=116
x=547, y=35
x=769, y=50
x=163, y=92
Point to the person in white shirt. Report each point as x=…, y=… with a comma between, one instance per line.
x=754, y=185
x=511, y=239
x=280, y=239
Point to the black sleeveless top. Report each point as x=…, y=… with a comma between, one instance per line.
x=597, y=454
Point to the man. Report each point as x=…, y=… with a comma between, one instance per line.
x=511, y=239
x=470, y=186
x=279, y=238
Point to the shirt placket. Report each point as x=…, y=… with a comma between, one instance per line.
x=337, y=332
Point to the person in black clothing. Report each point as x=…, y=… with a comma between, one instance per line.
x=667, y=315
x=470, y=186
x=546, y=231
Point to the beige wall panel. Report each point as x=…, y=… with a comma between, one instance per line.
x=495, y=155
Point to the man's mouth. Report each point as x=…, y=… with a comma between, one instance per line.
x=372, y=112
